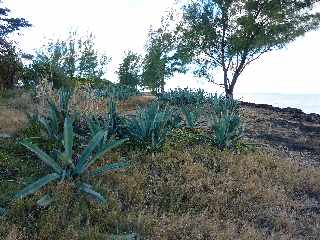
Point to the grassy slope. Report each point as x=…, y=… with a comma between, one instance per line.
x=190, y=190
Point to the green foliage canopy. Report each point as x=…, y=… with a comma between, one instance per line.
x=62, y=61
x=160, y=62
x=10, y=24
x=10, y=58
x=129, y=70
x=230, y=34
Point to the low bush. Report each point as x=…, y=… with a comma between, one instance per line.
x=111, y=124
x=117, y=92
x=184, y=96
x=151, y=126
x=222, y=105
x=191, y=115
x=227, y=130
x=190, y=190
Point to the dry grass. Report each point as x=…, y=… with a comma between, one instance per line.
x=11, y=120
x=13, y=111
x=202, y=193
x=134, y=102
x=190, y=190
x=83, y=100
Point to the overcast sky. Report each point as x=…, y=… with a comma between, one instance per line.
x=121, y=25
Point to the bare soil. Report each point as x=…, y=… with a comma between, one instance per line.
x=289, y=131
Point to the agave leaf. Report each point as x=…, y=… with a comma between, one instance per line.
x=45, y=125
x=68, y=139
x=86, y=188
x=64, y=98
x=94, y=125
x=53, y=106
x=85, y=156
x=110, y=167
x=54, y=118
x=104, y=149
x=3, y=211
x=45, y=201
x=43, y=156
x=35, y=186
x=131, y=236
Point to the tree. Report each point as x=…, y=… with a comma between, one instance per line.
x=129, y=71
x=230, y=34
x=154, y=68
x=11, y=66
x=9, y=24
x=65, y=61
x=10, y=58
x=160, y=62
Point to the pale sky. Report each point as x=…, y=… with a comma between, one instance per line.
x=121, y=25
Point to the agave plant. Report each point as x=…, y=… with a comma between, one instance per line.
x=53, y=123
x=3, y=211
x=118, y=92
x=227, y=130
x=222, y=105
x=151, y=125
x=184, y=96
x=67, y=166
x=191, y=115
x=111, y=124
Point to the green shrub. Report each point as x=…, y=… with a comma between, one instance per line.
x=184, y=138
x=117, y=92
x=111, y=124
x=227, y=130
x=191, y=114
x=3, y=211
x=222, y=105
x=184, y=96
x=67, y=167
x=151, y=126
x=53, y=123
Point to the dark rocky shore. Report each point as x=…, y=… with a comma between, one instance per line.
x=292, y=132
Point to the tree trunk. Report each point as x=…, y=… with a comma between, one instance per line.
x=227, y=87
x=162, y=88
x=229, y=93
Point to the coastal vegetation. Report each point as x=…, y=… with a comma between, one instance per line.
x=95, y=159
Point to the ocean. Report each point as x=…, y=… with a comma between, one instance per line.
x=308, y=103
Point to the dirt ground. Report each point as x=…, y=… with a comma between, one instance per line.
x=288, y=131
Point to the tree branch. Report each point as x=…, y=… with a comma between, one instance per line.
x=255, y=58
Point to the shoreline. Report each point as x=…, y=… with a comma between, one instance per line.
x=291, y=131
x=310, y=117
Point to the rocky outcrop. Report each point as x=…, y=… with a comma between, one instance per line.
x=288, y=129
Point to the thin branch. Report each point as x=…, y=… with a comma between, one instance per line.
x=215, y=59
x=255, y=58
x=230, y=61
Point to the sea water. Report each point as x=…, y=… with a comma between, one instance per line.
x=309, y=103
